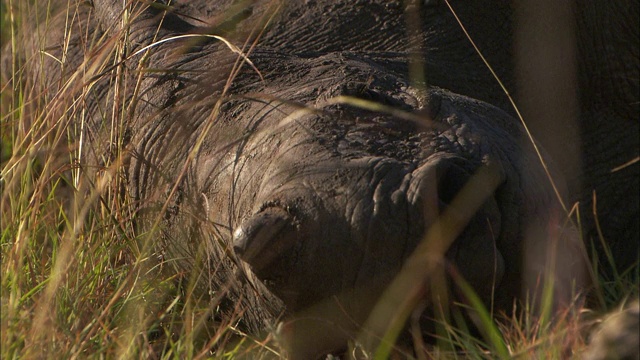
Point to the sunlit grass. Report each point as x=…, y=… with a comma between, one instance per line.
x=77, y=280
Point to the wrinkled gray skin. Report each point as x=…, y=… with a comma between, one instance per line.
x=604, y=53
x=290, y=209
x=596, y=132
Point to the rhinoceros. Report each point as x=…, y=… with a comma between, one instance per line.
x=293, y=179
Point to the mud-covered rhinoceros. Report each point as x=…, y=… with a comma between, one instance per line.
x=293, y=180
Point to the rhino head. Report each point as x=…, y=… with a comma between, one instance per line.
x=319, y=175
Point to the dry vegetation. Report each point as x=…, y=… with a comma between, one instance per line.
x=76, y=280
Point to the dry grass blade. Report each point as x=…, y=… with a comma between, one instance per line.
x=232, y=47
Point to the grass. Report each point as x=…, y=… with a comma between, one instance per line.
x=78, y=281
